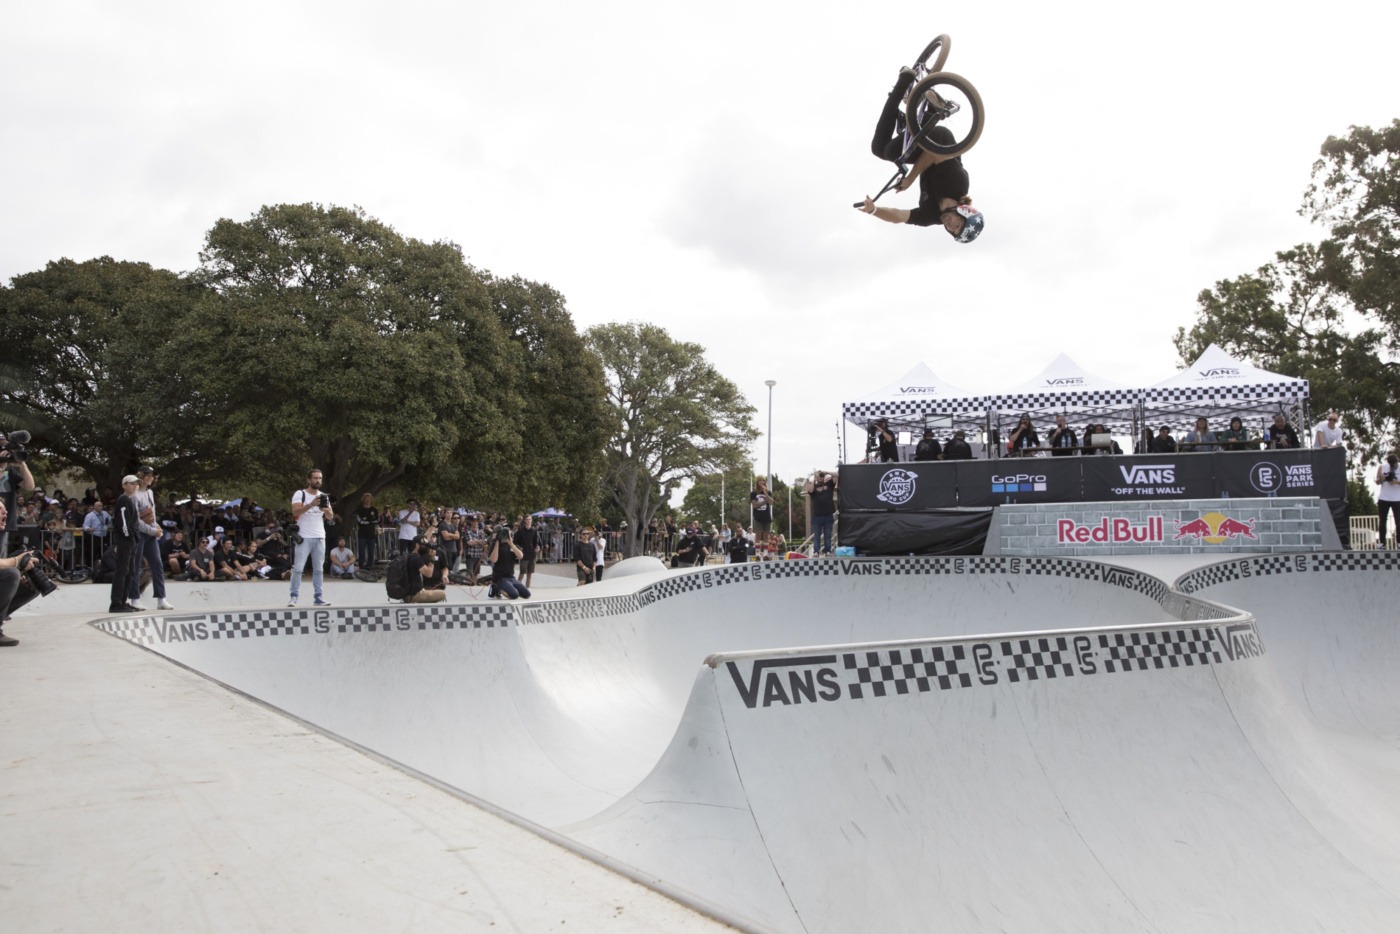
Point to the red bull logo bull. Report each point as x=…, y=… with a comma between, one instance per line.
x=1213, y=528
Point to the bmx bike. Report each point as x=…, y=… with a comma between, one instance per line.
x=937, y=98
x=52, y=568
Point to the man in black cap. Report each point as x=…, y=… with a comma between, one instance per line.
x=928, y=448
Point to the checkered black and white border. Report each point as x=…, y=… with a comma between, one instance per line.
x=1068, y=398
x=1293, y=390
x=945, y=666
x=911, y=408
x=1273, y=565
x=259, y=623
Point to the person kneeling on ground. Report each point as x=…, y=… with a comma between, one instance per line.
x=15, y=588
x=503, y=555
x=420, y=570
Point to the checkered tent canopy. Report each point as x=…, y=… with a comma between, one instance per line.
x=1219, y=383
x=914, y=399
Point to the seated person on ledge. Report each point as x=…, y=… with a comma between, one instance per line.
x=1282, y=434
x=1236, y=437
x=1023, y=437
x=1164, y=443
x=1200, y=439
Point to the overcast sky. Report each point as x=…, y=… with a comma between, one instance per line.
x=694, y=165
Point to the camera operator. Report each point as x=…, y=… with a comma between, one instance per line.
x=1388, y=497
x=125, y=535
x=821, y=492
x=14, y=477
x=312, y=510
x=15, y=589
x=503, y=555
x=420, y=570
x=884, y=441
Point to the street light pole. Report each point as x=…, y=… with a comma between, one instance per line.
x=770, y=383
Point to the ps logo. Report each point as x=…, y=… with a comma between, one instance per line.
x=1266, y=478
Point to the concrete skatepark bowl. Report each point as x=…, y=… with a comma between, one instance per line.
x=898, y=744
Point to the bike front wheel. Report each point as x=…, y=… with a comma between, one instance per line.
x=948, y=101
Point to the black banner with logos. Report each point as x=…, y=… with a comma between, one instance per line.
x=1283, y=473
x=939, y=532
x=1019, y=480
x=913, y=487
x=1150, y=476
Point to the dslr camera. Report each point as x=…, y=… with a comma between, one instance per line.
x=502, y=533
x=1394, y=462
x=323, y=501
x=13, y=448
x=29, y=567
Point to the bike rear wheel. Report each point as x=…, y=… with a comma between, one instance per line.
x=947, y=100
x=940, y=47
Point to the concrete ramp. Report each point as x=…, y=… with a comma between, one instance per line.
x=888, y=744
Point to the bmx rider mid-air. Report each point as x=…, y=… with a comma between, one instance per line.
x=943, y=182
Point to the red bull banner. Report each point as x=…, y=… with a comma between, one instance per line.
x=1111, y=530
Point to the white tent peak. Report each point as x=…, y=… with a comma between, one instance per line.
x=1063, y=374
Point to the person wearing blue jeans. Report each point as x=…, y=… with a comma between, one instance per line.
x=821, y=492
x=312, y=510
x=147, y=543
x=503, y=555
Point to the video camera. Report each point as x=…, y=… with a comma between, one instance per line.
x=13, y=448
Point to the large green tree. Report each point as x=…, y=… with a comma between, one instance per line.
x=347, y=346
x=673, y=417
x=89, y=370
x=1329, y=312
x=563, y=415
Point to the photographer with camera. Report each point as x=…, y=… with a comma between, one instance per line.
x=312, y=510
x=821, y=492
x=1388, y=497
x=881, y=439
x=125, y=534
x=503, y=555
x=21, y=580
x=14, y=476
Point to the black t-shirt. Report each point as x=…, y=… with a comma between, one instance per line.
x=956, y=450
x=224, y=559
x=1160, y=445
x=525, y=541
x=1064, y=440
x=586, y=553
x=413, y=579
x=928, y=450
x=824, y=498
x=366, y=518
x=944, y=180
x=504, y=565
x=762, y=510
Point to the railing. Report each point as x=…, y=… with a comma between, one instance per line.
x=1365, y=530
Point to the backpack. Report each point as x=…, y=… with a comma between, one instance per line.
x=396, y=578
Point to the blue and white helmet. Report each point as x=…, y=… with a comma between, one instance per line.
x=972, y=223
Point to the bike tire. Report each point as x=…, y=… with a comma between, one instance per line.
x=941, y=45
x=969, y=137
x=75, y=576
x=369, y=577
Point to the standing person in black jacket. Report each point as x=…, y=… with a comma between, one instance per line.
x=124, y=535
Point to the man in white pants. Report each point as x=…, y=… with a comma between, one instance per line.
x=311, y=516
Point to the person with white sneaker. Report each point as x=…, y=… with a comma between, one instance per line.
x=147, y=543
x=312, y=510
